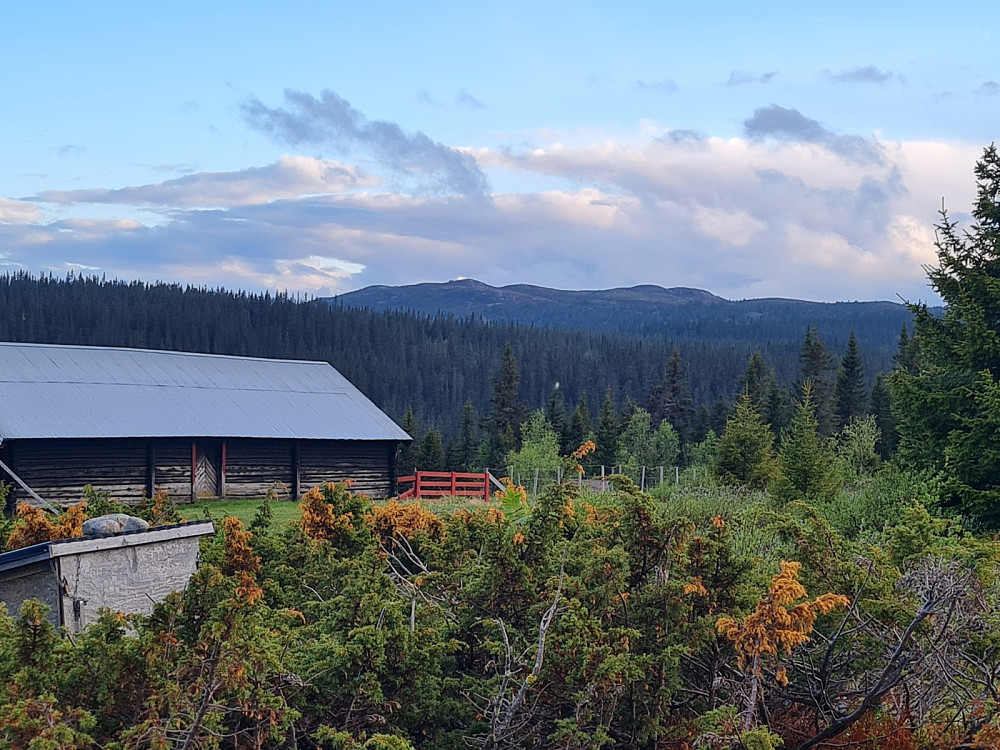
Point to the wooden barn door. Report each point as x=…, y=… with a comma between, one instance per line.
x=206, y=468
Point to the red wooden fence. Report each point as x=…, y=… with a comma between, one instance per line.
x=434, y=484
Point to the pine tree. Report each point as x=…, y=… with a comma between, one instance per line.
x=881, y=409
x=431, y=452
x=581, y=426
x=757, y=379
x=507, y=412
x=817, y=368
x=808, y=471
x=851, y=399
x=468, y=439
x=907, y=351
x=555, y=414
x=948, y=409
x=670, y=399
x=408, y=458
x=607, y=432
x=745, y=452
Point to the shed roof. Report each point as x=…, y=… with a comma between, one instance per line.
x=61, y=547
x=53, y=391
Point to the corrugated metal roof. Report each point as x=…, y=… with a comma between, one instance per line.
x=52, y=391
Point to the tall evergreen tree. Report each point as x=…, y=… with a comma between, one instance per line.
x=948, y=408
x=817, y=367
x=468, y=438
x=555, y=414
x=507, y=412
x=881, y=409
x=907, y=351
x=408, y=456
x=757, y=380
x=808, y=471
x=431, y=452
x=745, y=452
x=581, y=426
x=851, y=399
x=670, y=399
x=607, y=431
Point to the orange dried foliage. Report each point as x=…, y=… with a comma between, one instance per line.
x=512, y=494
x=240, y=560
x=33, y=525
x=874, y=731
x=775, y=625
x=696, y=586
x=319, y=521
x=495, y=516
x=406, y=520
x=584, y=450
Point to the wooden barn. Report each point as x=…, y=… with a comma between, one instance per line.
x=129, y=421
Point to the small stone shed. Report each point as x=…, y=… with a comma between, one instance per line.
x=127, y=572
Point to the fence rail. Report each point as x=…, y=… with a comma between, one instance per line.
x=435, y=484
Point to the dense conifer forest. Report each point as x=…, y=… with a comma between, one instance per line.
x=430, y=364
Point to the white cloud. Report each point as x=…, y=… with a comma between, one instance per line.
x=19, y=211
x=735, y=216
x=289, y=177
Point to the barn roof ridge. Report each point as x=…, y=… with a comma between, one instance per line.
x=173, y=352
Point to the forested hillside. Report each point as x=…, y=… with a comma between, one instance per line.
x=677, y=314
x=433, y=364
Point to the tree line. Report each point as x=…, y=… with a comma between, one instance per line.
x=432, y=364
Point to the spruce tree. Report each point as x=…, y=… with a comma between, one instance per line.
x=607, y=432
x=881, y=409
x=468, y=438
x=907, y=351
x=744, y=454
x=817, y=367
x=670, y=399
x=555, y=414
x=507, y=412
x=808, y=471
x=757, y=380
x=947, y=408
x=851, y=399
x=408, y=456
x=581, y=426
x=431, y=452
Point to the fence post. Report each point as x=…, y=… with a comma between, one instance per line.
x=604, y=484
x=579, y=480
x=453, y=488
x=559, y=475
x=416, y=483
x=534, y=488
x=642, y=482
x=677, y=475
x=661, y=475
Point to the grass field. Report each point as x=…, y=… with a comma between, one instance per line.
x=244, y=510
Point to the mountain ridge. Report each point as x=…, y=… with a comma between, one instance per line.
x=644, y=309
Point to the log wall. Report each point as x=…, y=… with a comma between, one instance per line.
x=370, y=464
x=126, y=468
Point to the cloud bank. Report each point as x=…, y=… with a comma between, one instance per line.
x=790, y=208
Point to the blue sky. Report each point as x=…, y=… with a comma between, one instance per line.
x=765, y=149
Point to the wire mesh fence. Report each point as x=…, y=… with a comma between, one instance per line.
x=596, y=477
